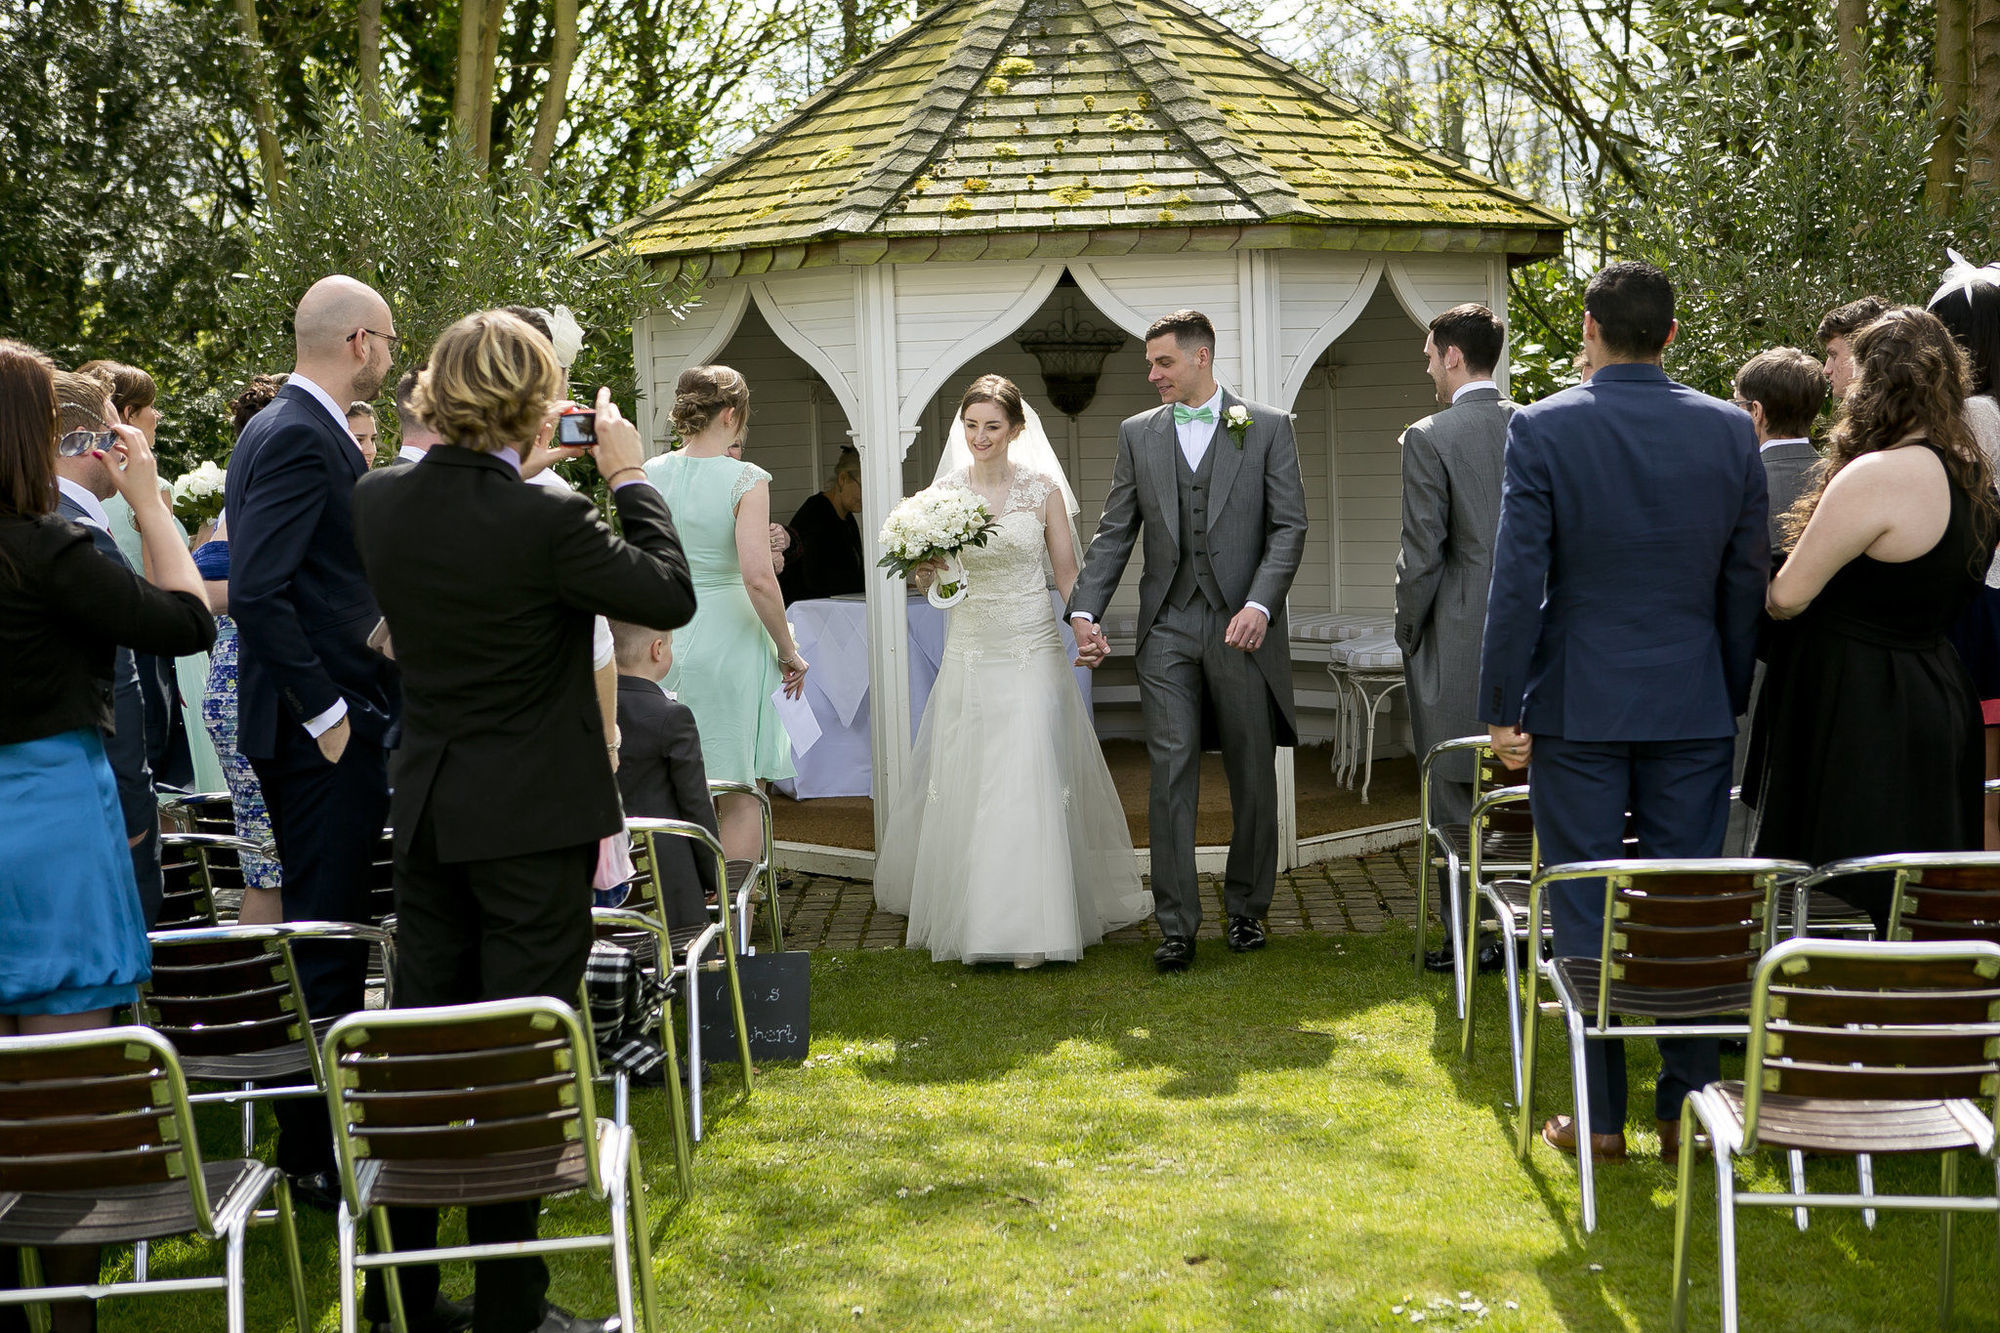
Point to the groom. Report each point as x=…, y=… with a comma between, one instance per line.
x=1214, y=482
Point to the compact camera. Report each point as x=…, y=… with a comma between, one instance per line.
x=578, y=427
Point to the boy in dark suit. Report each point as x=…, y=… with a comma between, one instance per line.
x=660, y=773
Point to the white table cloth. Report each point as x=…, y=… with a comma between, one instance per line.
x=832, y=633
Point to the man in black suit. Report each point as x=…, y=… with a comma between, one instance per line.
x=660, y=770
x=83, y=483
x=316, y=707
x=503, y=780
x=417, y=437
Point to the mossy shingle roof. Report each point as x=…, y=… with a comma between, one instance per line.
x=1032, y=117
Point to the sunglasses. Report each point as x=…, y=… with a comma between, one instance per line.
x=80, y=442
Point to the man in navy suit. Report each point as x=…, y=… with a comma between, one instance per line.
x=316, y=704
x=1621, y=633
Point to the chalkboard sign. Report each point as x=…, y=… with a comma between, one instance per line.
x=777, y=1003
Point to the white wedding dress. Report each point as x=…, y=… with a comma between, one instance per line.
x=1008, y=843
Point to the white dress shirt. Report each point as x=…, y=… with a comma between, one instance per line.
x=92, y=507
x=1769, y=445
x=1196, y=435
x=1470, y=387
x=411, y=453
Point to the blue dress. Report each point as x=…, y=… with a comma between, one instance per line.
x=75, y=939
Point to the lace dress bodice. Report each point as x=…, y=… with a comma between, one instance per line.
x=1006, y=606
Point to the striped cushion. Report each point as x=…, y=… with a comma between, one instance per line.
x=1334, y=626
x=1376, y=652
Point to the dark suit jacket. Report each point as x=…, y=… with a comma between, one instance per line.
x=302, y=607
x=1788, y=473
x=1630, y=566
x=661, y=776
x=825, y=559
x=489, y=586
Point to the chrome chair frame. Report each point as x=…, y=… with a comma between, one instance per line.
x=627, y=919
x=1513, y=932
x=202, y=845
x=1617, y=874
x=694, y=959
x=228, y=1223
x=764, y=872
x=1732, y=1135
x=614, y=1173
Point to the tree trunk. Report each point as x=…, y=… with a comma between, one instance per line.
x=1982, y=140
x=1949, y=72
x=368, y=62
x=556, y=92
x=1851, y=30
x=262, y=109
x=482, y=91
x=853, y=42
x=471, y=22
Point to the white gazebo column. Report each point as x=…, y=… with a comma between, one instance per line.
x=882, y=444
x=1262, y=335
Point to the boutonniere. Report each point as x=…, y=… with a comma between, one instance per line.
x=1237, y=421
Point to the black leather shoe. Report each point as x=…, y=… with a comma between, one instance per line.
x=320, y=1190
x=555, y=1319
x=1246, y=933
x=1175, y=954
x=445, y=1317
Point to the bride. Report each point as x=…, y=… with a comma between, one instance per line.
x=1008, y=843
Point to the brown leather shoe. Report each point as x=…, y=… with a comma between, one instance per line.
x=1559, y=1133
x=1670, y=1141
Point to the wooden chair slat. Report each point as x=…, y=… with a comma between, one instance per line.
x=1873, y=974
x=1683, y=974
x=1906, y=1047
x=1952, y=904
x=268, y=1002
x=83, y=1096
x=377, y=1110
x=91, y=1171
x=1985, y=879
x=433, y=1073
x=234, y=1038
x=1731, y=940
x=42, y=1067
x=1836, y=1008
x=218, y=953
x=1920, y=929
x=1687, y=911
x=1693, y=885
x=432, y=1143
x=1866, y=1083
x=523, y=1030
x=93, y=1133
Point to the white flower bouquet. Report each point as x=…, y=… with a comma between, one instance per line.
x=198, y=494
x=936, y=524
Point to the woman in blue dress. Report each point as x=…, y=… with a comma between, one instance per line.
x=72, y=940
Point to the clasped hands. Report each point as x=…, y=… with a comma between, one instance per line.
x=1245, y=631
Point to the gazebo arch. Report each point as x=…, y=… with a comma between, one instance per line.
x=923, y=207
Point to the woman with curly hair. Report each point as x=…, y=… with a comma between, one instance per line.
x=1868, y=731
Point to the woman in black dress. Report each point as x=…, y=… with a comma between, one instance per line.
x=1869, y=733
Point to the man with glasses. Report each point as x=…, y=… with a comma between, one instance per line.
x=316, y=705
x=83, y=482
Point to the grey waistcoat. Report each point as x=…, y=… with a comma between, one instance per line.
x=1194, y=573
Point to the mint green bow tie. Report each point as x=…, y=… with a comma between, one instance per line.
x=1184, y=414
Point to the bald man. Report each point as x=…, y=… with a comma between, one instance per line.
x=316, y=705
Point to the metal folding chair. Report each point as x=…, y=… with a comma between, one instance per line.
x=696, y=949
x=1854, y=1047
x=1680, y=940
x=473, y=1104
x=228, y=998
x=98, y=1147
x=749, y=881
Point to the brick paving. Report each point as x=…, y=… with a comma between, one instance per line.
x=1347, y=896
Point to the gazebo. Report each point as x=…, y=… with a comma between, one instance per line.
x=1021, y=186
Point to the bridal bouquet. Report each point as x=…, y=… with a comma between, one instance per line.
x=936, y=524
x=198, y=494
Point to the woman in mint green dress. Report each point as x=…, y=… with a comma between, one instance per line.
x=737, y=650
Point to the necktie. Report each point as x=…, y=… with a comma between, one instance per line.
x=1184, y=414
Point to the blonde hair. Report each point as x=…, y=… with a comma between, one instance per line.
x=701, y=395
x=490, y=381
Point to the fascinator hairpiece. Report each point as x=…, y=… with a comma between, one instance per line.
x=1962, y=276
x=566, y=334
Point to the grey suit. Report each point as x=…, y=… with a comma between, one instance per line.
x=1216, y=537
x=1452, y=464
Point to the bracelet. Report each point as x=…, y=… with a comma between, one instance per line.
x=622, y=471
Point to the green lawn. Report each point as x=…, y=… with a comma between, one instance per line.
x=1283, y=1141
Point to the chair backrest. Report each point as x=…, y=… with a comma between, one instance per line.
x=1947, y=898
x=648, y=892
x=1493, y=775
x=460, y=1082
x=229, y=990
x=94, y=1111
x=192, y=867
x=1857, y=1020
x=382, y=879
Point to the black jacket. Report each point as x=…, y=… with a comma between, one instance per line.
x=65, y=611
x=489, y=586
x=661, y=776
x=302, y=607
x=825, y=559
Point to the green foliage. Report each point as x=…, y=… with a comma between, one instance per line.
x=1774, y=197
x=124, y=171
x=439, y=239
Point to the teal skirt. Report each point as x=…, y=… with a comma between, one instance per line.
x=71, y=935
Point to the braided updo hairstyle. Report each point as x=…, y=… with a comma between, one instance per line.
x=701, y=395
x=1911, y=378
